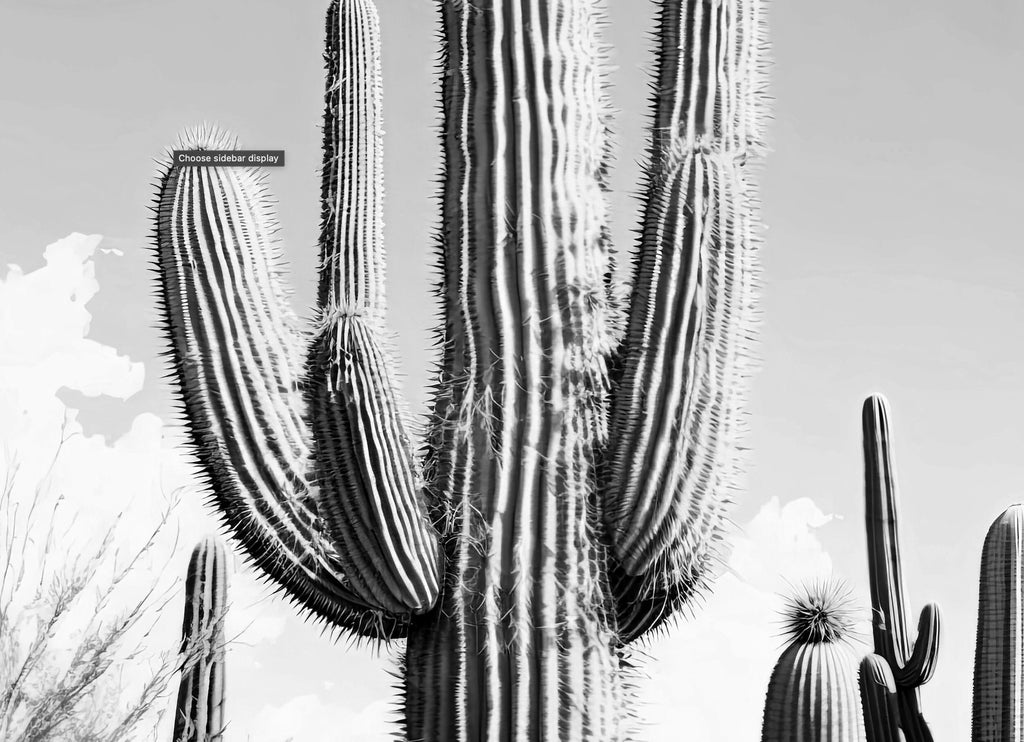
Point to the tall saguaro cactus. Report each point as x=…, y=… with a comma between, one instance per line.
x=998, y=708
x=199, y=714
x=912, y=662
x=580, y=454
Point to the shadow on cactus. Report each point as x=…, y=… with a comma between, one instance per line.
x=570, y=492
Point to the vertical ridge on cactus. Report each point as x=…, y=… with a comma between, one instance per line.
x=912, y=662
x=199, y=713
x=998, y=706
x=813, y=691
x=580, y=456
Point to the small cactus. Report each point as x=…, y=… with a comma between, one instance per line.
x=812, y=695
x=998, y=708
x=199, y=716
x=912, y=662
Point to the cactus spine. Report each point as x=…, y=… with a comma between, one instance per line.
x=998, y=708
x=912, y=663
x=579, y=455
x=199, y=715
x=812, y=695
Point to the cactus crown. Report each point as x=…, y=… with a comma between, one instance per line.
x=821, y=613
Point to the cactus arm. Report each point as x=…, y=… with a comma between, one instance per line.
x=235, y=354
x=675, y=409
x=199, y=714
x=879, y=701
x=889, y=626
x=998, y=698
x=352, y=260
x=370, y=491
x=920, y=666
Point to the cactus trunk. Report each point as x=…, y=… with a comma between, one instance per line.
x=199, y=714
x=998, y=709
x=518, y=431
x=580, y=454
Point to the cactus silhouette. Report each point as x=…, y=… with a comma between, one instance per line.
x=199, y=715
x=570, y=491
x=812, y=694
x=911, y=668
x=998, y=708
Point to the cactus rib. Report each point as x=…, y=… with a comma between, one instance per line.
x=910, y=669
x=199, y=714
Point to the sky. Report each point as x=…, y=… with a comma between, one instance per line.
x=892, y=263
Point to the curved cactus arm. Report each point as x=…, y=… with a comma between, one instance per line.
x=235, y=354
x=878, y=698
x=920, y=665
x=370, y=488
x=364, y=465
x=199, y=714
x=889, y=625
x=999, y=652
x=681, y=367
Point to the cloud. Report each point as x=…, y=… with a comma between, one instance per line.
x=86, y=485
x=310, y=719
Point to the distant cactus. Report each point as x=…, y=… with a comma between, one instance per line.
x=199, y=715
x=912, y=662
x=580, y=454
x=878, y=698
x=999, y=656
x=813, y=693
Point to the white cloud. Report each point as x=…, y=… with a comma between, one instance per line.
x=84, y=484
x=311, y=719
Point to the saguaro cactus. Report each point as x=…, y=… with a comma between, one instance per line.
x=910, y=668
x=580, y=454
x=812, y=695
x=199, y=715
x=999, y=655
